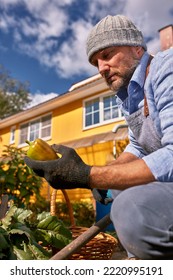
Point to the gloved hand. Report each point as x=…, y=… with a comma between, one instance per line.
x=67, y=172
x=102, y=196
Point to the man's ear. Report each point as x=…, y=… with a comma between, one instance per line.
x=139, y=51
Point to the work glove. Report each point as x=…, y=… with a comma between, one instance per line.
x=102, y=196
x=67, y=172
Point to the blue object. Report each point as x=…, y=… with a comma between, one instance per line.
x=102, y=210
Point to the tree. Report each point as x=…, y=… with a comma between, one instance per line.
x=14, y=95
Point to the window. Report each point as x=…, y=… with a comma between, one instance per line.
x=46, y=126
x=34, y=130
x=110, y=109
x=23, y=133
x=101, y=110
x=39, y=128
x=92, y=112
x=12, y=135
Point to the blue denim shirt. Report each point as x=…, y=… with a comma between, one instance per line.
x=158, y=88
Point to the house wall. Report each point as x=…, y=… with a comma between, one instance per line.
x=68, y=123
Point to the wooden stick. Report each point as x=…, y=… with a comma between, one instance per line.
x=84, y=238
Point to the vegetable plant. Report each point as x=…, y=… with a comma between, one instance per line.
x=26, y=236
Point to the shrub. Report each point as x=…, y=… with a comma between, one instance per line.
x=17, y=179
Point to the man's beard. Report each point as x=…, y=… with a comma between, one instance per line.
x=123, y=79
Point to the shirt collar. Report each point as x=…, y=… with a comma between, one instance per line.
x=139, y=74
x=138, y=77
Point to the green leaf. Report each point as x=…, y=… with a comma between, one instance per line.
x=6, y=221
x=52, y=223
x=43, y=215
x=52, y=231
x=6, y=250
x=22, y=176
x=10, y=179
x=20, y=229
x=31, y=252
x=29, y=170
x=47, y=223
x=3, y=231
x=53, y=239
x=23, y=191
x=19, y=237
x=22, y=255
x=3, y=242
x=21, y=215
x=38, y=252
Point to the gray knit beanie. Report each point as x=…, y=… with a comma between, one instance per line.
x=113, y=31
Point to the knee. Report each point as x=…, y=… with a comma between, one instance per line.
x=125, y=216
x=128, y=221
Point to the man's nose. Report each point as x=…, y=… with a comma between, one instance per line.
x=102, y=67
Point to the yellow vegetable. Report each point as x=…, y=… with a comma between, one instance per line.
x=40, y=150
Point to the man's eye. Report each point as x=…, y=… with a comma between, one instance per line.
x=108, y=54
x=94, y=63
x=105, y=55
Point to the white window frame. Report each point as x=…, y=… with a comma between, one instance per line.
x=37, y=120
x=12, y=134
x=101, y=112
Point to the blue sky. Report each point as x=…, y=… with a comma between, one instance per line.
x=43, y=41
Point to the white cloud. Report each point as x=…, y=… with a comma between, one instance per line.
x=101, y=8
x=150, y=16
x=38, y=98
x=7, y=22
x=40, y=33
x=71, y=58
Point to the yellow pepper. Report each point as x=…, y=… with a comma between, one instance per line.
x=40, y=150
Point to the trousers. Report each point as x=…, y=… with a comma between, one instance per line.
x=143, y=220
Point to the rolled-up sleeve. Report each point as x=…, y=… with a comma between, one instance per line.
x=133, y=147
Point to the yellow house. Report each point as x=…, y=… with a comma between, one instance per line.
x=86, y=118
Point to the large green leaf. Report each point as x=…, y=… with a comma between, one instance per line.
x=53, y=232
x=52, y=239
x=21, y=215
x=43, y=215
x=52, y=223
